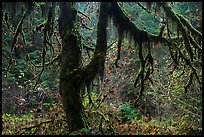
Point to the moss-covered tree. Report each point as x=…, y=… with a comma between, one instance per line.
x=185, y=49
x=73, y=76
x=71, y=56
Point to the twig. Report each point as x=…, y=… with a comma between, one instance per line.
x=87, y=27
x=138, y=3
x=6, y=56
x=10, y=62
x=106, y=120
x=189, y=26
x=43, y=66
x=84, y=14
x=88, y=48
x=112, y=43
x=6, y=21
x=17, y=31
x=23, y=35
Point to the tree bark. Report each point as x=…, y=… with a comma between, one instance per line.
x=71, y=57
x=73, y=76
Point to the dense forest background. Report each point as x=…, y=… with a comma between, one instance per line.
x=143, y=87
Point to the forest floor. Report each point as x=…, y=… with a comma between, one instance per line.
x=114, y=111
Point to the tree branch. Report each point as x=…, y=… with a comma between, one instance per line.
x=122, y=21
x=96, y=66
x=139, y=4
x=18, y=30
x=189, y=26
x=170, y=13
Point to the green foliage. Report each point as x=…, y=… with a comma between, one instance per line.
x=127, y=113
x=54, y=123
x=11, y=78
x=39, y=3
x=51, y=123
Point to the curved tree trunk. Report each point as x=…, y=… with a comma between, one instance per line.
x=73, y=76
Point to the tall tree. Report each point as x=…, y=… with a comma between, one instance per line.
x=71, y=58
x=73, y=76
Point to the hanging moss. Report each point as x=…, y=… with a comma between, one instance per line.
x=174, y=17
x=123, y=23
x=74, y=77
x=96, y=66
x=121, y=35
x=141, y=37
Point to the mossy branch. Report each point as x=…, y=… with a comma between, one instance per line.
x=189, y=26
x=38, y=125
x=96, y=66
x=193, y=31
x=122, y=21
x=141, y=72
x=170, y=13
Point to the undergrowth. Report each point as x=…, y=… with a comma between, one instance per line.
x=102, y=118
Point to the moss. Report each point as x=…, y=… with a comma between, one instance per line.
x=96, y=66
x=122, y=22
x=174, y=17
x=71, y=68
x=74, y=77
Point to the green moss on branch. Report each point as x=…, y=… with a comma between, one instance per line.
x=170, y=13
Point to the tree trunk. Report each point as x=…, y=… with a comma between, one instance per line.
x=71, y=58
x=73, y=76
